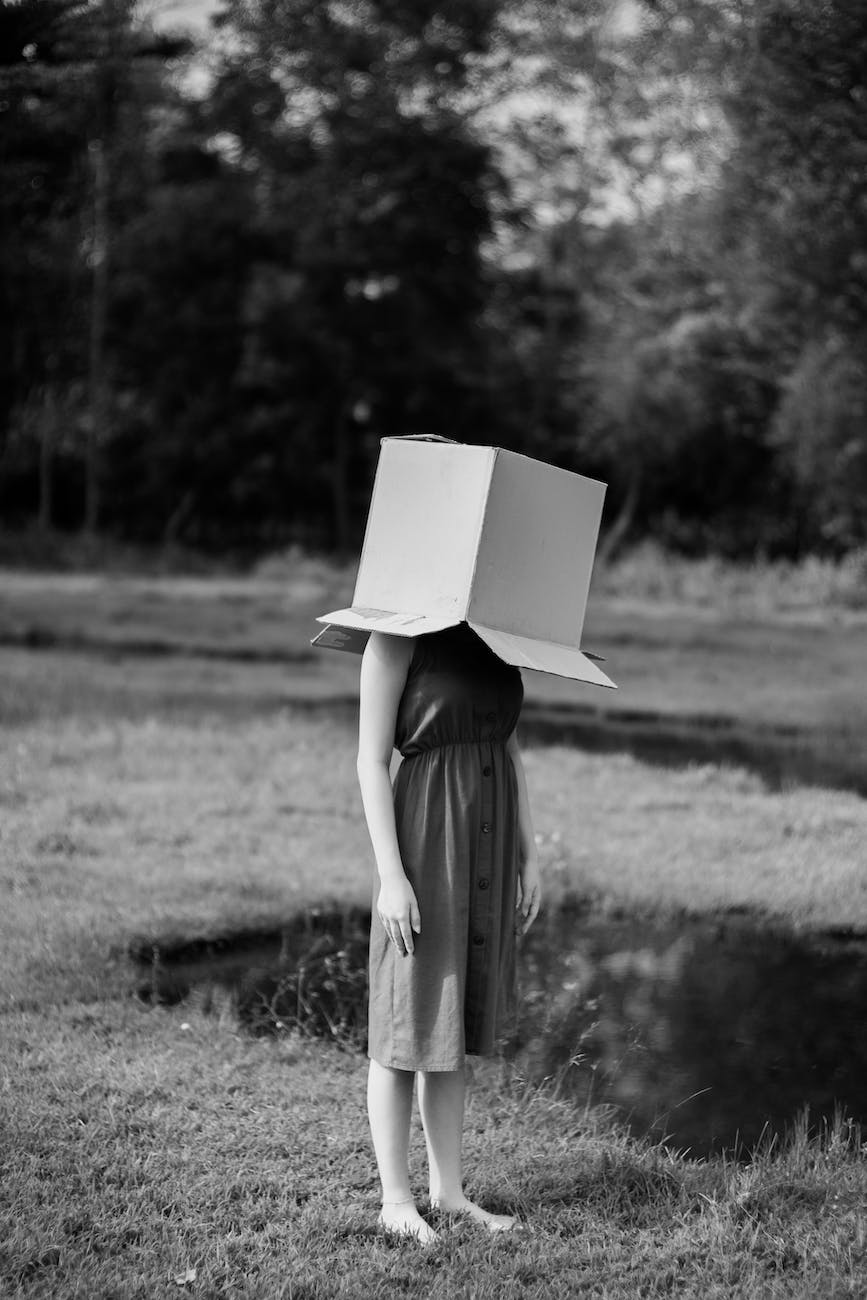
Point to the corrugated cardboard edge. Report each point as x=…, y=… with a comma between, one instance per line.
x=376, y=486
x=333, y=637
x=349, y=630
x=419, y=437
x=543, y=656
x=483, y=514
x=395, y=622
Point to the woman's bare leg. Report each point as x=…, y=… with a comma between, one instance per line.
x=441, y=1102
x=389, y=1107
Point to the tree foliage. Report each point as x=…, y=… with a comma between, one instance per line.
x=755, y=239
x=626, y=238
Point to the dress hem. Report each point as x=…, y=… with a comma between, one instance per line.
x=427, y=1069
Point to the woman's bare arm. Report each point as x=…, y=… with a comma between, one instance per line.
x=529, y=881
x=384, y=668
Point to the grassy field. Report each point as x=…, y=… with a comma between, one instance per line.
x=167, y=828
x=777, y=647
x=151, y=1152
x=161, y=1153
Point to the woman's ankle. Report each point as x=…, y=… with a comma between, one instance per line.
x=448, y=1198
x=403, y=1219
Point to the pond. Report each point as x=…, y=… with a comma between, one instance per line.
x=710, y=1033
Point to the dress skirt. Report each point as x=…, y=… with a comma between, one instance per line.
x=456, y=811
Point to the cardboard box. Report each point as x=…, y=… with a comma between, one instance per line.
x=478, y=534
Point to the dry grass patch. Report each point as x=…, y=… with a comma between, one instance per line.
x=157, y=828
x=154, y=1146
x=702, y=838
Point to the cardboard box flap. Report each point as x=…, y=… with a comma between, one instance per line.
x=535, y=551
x=542, y=656
x=332, y=637
x=364, y=619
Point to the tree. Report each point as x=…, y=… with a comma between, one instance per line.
x=375, y=200
x=117, y=58
x=756, y=106
x=77, y=78
x=821, y=429
x=186, y=459
x=41, y=191
x=797, y=178
x=616, y=236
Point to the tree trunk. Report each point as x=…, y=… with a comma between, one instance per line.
x=340, y=480
x=98, y=396
x=178, y=518
x=546, y=357
x=47, y=431
x=616, y=535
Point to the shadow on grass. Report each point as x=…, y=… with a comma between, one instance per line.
x=310, y=976
x=36, y=636
x=703, y=1033
x=780, y=754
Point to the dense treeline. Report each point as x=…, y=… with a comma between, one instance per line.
x=629, y=237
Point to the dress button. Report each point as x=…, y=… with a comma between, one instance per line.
x=478, y=940
x=483, y=884
x=486, y=828
x=491, y=717
x=486, y=771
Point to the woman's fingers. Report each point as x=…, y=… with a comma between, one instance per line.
x=398, y=910
x=400, y=931
x=406, y=937
x=529, y=905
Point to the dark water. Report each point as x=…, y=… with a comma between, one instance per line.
x=781, y=754
x=712, y=1034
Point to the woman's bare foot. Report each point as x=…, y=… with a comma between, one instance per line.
x=469, y=1209
x=403, y=1219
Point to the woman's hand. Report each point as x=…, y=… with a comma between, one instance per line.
x=398, y=911
x=529, y=878
x=529, y=892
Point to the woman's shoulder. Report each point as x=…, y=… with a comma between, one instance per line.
x=391, y=651
x=409, y=654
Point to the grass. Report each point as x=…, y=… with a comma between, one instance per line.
x=156, y=1146
x=681, y=639
x=813, y=587
x=702, y=838
x=168, y=828
x=645, y=571
x=162, y=1151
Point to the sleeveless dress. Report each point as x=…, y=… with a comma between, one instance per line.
x=456, y=811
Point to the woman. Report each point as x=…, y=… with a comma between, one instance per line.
x=455, y=856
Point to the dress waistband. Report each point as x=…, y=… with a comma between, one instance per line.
x=494, y=742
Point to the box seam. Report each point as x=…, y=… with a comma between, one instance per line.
x=483, y=514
